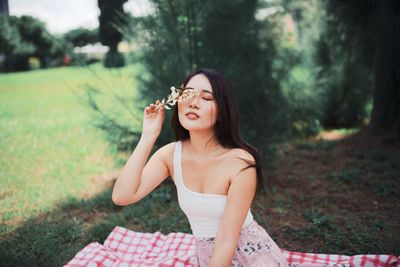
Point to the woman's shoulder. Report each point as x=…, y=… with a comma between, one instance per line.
x=236, y=159
x=167, y=150
x=240, y=154
x=166, y=154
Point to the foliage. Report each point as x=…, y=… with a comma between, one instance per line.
x=80, y=37
x=318, y=65
x=232, y=44
x=181, y=35
x=109, y=12
x=11, y=39
x=24, y=37
x=111, y=18
x=114, y=59
x=288, y=81
x=295, y=25
x=34, y=31
x=15, y=49
x=167, y=50
x=113, y=105
x=343, y=57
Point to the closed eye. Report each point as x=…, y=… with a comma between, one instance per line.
x=206, y=95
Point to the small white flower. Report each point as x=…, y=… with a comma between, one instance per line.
x=177, y=95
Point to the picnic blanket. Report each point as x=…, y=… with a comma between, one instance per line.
x=125, y=247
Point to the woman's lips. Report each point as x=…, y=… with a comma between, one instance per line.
x=192, y=116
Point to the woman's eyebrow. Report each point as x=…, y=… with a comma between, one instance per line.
x=206, y=91
x=202, y=90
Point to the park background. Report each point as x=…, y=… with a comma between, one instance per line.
x=317, y=86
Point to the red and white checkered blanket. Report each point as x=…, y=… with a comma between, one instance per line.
x=124, y=247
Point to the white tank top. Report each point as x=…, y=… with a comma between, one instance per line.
x=204, y=211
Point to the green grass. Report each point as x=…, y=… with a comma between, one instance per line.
x=50, y=151
x=53, y=200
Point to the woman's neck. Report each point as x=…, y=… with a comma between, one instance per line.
x=203, y=143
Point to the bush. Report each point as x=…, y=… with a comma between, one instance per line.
x=24, y=37
x=114, y=59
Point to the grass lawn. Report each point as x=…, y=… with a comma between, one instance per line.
x=49, y=150
x=51, y=155
x=338, y=196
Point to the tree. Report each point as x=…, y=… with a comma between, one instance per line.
x=373, y=28
x=25, y=37
x=343, y=77
x=289, y=30
x=168, y=50
x=231, y=43
x=15, y=49
x=182, y=35
x=385, y=115
x=34, y=31
x=80, y=37
x=110, y=20
x=4, y=7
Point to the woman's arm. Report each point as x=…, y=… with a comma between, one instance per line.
x=137, y=178
x=240, y=196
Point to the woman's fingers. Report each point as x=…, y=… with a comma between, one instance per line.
x=154, y=107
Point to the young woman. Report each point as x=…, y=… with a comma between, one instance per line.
x=215, y=172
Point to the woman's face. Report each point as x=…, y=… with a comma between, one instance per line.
x=198, y=113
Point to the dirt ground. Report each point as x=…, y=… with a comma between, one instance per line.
x=334, y=193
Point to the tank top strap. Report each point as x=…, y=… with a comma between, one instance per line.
x=177, y=163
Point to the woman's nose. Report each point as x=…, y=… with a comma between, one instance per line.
x=194, y=102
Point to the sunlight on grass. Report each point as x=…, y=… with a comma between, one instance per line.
x=49, y=150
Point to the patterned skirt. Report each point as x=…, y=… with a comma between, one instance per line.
x=124, y=247
x=255, y=248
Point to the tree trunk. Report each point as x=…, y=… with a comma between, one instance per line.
x=4, y=10
x=385, y=116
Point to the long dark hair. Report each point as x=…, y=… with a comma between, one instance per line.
x=227, y=125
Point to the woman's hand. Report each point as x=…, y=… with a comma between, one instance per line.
x=153, y=119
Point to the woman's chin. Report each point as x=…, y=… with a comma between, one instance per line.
x=193, y=128
x=197, y=128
